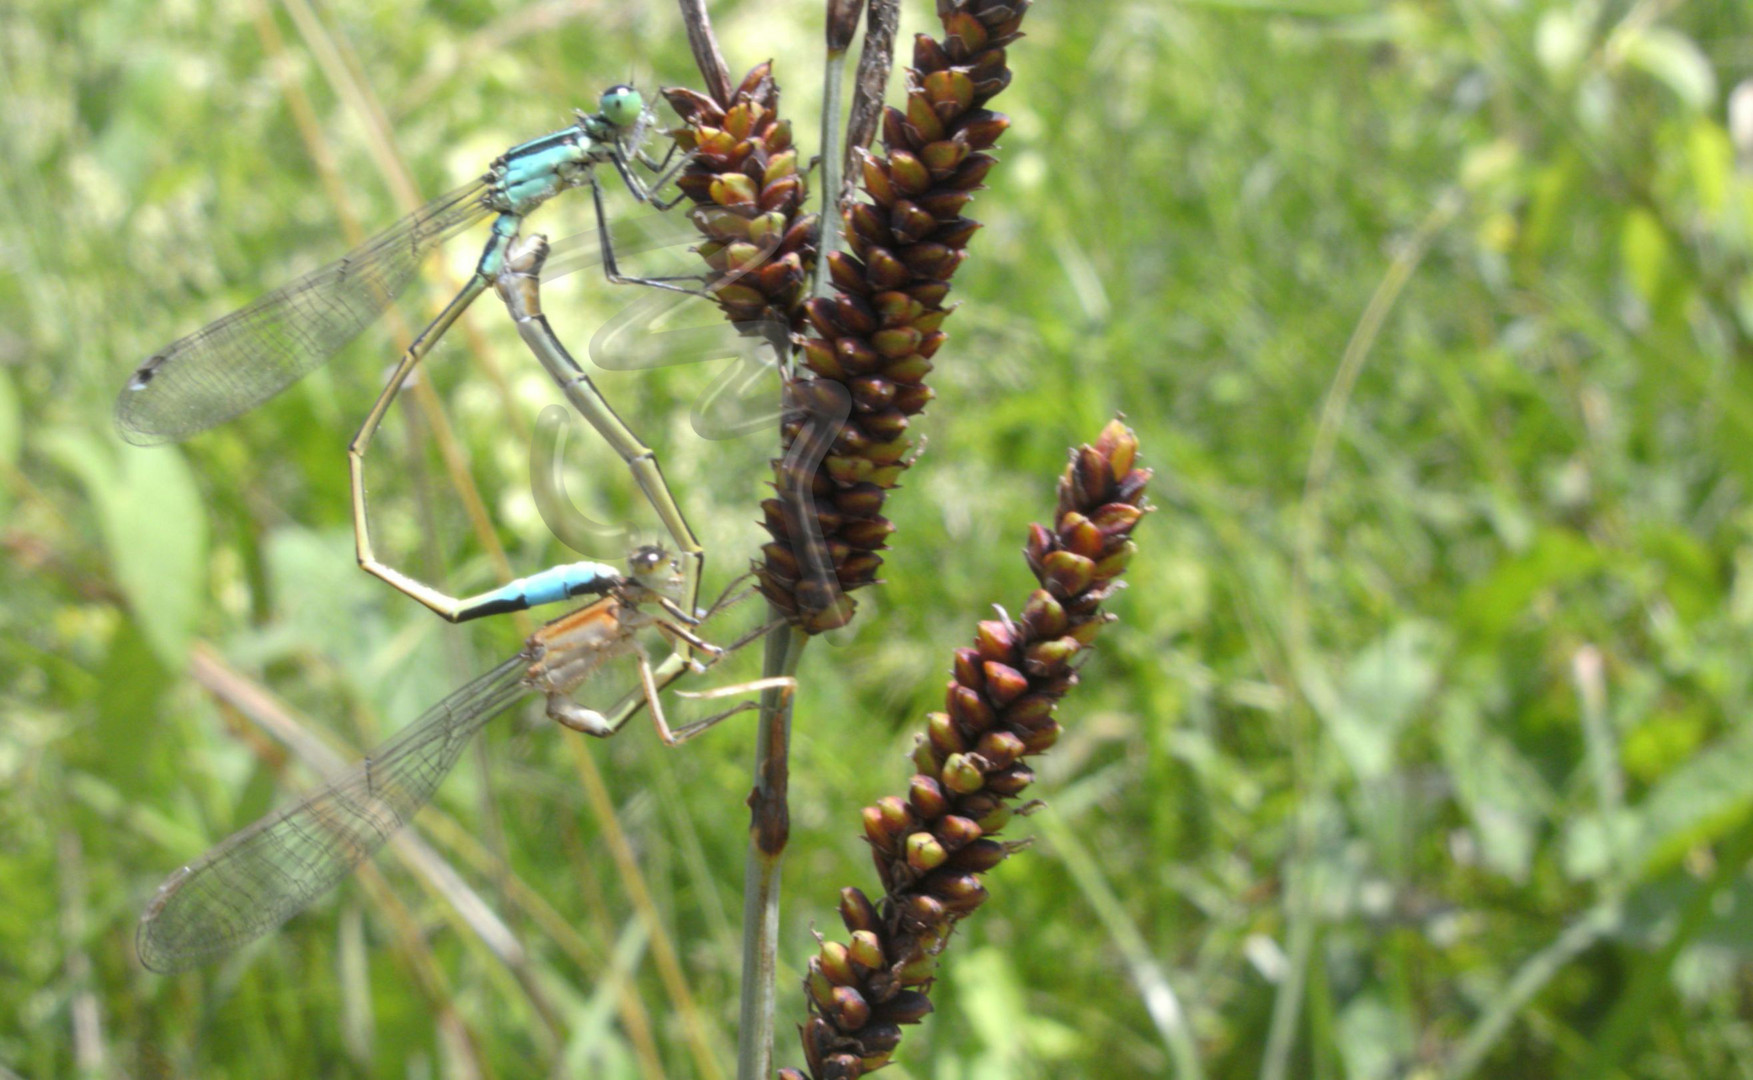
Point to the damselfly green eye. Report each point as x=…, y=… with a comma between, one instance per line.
x=621, y=105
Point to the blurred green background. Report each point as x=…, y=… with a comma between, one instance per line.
x=1422, y=748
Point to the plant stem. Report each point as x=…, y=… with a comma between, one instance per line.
x=769, y=828
x=871, y=82
x=707, y=55
x=833, y=78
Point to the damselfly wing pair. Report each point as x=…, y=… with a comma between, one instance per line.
x=251, y=883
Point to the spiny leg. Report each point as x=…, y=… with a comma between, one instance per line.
x=646, y=195
x=674, y=631
x=610, y=269
x=570, y=713
x=734, y=593
x=786, y=685
x=658, y=167
x=653, y=681
x=646, y=191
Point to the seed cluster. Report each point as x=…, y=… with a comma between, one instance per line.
x=932, y=845
x=872, y=343
x=748, y=194
x=864, y=353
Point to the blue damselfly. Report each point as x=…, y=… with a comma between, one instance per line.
x=252, y=882
x=239, y=361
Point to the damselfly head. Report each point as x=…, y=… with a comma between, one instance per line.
x=652, y=566
x=621, y=105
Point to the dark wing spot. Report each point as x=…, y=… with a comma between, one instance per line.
x=146, y=371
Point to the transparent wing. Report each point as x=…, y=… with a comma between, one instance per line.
x=232, y=365
x=265, y=874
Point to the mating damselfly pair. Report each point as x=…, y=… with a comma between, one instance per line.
x=249, y=884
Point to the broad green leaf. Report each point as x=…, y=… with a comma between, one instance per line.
x=1551, y=203
x=157, y=532
x=988, y=982
x=11, y=421
x=127, y=705
x=1380, y=690
x=1666, y=734
x=319, y=595
x=1374, y=1038
x=1493, y=603
x=1560, y=41
x=1597, y=846
x=154, y=528
x=1693, y=804
x=1675, y=61
x=1644, y=250
x=1495, y=164
x=1710, y=158
x=991, y=993
x=1702, y=971
x=1500, y=790
x=323, y=604
x=386, y=643
x=1689, y=572
x=1597, y=104
x=1649, y=913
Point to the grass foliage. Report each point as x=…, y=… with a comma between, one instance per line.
x=1423, y=749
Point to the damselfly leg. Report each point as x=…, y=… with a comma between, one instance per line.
x=518, y=284
x=518, y=262
x=252, y=882
x=577, y=638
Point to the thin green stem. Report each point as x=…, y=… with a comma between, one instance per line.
x=663, y=950
x=769, y=828
x=1154, y=989
x=833, y=77
x=1587, y=671
x=1303, y=917
x=1304, y=932
x=1535, y=973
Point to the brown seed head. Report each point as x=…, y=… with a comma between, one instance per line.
x=874, y=340
x=932, y=847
